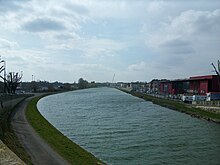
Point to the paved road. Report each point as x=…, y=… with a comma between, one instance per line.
x=41, y=153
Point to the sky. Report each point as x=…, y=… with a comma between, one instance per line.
x=137, y=40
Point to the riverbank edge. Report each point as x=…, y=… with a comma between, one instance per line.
x=69, y=150
x=178, y=106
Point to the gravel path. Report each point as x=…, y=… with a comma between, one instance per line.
x=41, y=153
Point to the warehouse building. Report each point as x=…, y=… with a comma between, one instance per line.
x=198, y=85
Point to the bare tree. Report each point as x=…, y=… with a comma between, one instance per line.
x=11, y=82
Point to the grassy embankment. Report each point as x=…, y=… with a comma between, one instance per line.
x=179, y=106
x=8, y=136
x=72, y=152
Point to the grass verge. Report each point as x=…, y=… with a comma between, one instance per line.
x=179, y=106
x=69, y=150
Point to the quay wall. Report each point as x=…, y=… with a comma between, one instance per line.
x=7, y=157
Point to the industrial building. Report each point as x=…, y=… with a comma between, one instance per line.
x=198, y=85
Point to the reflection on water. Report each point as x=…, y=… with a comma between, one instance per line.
x=121, y=129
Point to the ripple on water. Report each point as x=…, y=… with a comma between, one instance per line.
x=121, y=129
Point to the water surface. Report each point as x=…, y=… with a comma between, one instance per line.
x=121, y=129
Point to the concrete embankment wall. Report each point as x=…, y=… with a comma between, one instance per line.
x=208, y=103
x=7, y=157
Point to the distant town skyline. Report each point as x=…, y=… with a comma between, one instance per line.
x=135, y=40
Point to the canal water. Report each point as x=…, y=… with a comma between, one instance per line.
x=124, y=130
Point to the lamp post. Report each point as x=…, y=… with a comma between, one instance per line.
x=3, y=61
x=4, y=76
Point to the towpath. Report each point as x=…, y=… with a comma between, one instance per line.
x=40, y=152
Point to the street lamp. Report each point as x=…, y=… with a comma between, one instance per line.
x=3, y=61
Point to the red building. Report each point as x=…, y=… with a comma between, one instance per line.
x=199, y=85
x=166, y=87
x=174, y=87
x=204, y=84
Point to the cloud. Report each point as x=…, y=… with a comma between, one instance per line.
x=90, y=48
x=156, y=6
x=185, y=44
x=54, y=23
x=43, y=25
x=182, y=32
x=9, y=6
x=141, y=66
x=137, y=40
x=26, y=60
x=41, y=64
x=78, y=8
x=5, y=44
x=187, y=40
x=116, y=9
x=88, y=68
x=90, y=71
x=101, y=47
x=63, y=41
x=16, y=60
x=193, y=23
x=33, y=57
x=66, y=36
x=177, y=46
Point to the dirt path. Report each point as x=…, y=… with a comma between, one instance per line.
x=41, y=153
